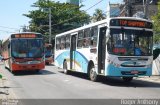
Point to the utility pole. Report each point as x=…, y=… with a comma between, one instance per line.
x=128, y=8
x=50, y=30
x=146, y=8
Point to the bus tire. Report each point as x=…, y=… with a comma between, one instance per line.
x=13, y=72
x=47, y=63
x=92, y=74
x=65, y=70
x=37, y=71
x=127, y=79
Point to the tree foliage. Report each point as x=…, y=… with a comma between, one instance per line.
x=64, y=16
x=98, y=15
x=156, y=23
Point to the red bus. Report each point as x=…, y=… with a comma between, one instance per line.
x=48, y=54
x=25, y=52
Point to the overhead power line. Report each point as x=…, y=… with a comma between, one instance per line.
x=81, y=1
x=6, y=31
x=76, y=16
x=9, y=27
x=94, y=5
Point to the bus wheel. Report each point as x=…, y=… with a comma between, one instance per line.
x=13, y=72
x=47, y=63
x=37, y=71
x=92, y=74
x=127, y=79
x=65, y=67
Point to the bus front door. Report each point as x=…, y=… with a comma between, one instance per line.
x=102, y=49
x=72, y=52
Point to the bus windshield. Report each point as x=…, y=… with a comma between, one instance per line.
x=127, y=42
x=27, y=48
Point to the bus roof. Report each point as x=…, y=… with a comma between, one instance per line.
x=99, y=23
x=19, y=33
x=26, y=33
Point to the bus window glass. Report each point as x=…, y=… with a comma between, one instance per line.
x=80, y=43
x=27, y=47
x=86, y=40
x=58, y=41
x=87, y=33
x=67, y=41
x=35, y=47
x=124, y=42
x=80, y=39
x=63, y=41
x=94, y=34
x=80, y=35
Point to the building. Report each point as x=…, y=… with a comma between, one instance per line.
x=75, y=2
x=141, y=2
x=113, y=10
x=136, y=8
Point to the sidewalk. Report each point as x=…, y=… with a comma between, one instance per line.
x=5, y=91
x=154, y=78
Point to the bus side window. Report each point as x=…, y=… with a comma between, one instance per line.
x=86, y=38
x=86, y=42
x=58, y=41
x=80, y=39
x=67, y=41
x=63, y=42
x=93, y=35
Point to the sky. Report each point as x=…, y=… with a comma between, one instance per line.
x=12, y=19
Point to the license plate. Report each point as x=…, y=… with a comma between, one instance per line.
x=134, y=72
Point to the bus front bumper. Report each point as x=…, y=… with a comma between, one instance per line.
x=20, y=67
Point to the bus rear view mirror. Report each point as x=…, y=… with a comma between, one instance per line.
x=8, y=45
x=156, y=53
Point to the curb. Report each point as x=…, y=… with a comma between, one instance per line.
x=154, y=78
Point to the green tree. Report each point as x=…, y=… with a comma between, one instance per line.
x=65, y=17
x=156, y=25
x=98, y=15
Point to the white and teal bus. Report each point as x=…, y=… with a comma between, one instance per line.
x=108, y=48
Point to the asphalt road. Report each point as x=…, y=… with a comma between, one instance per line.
x=52, y=84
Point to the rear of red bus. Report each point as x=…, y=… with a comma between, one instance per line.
x=25, y=52
x=48, y=54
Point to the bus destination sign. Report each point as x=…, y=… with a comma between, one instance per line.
x=26, y=36
x=131, y=23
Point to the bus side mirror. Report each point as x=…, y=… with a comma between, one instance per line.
x=9, y=45
x=156, y=53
